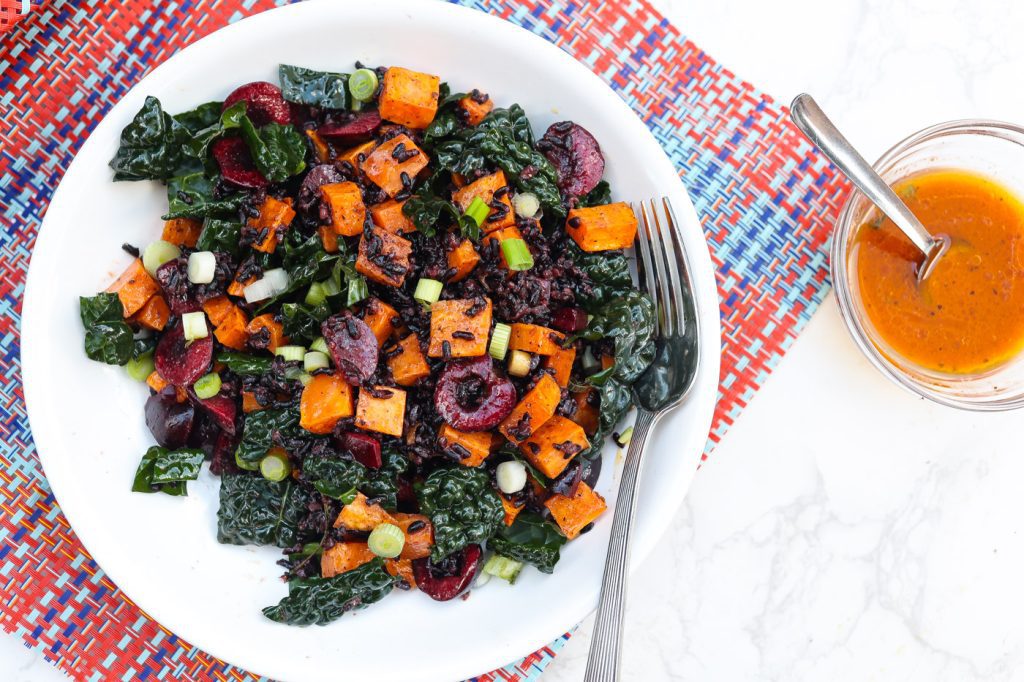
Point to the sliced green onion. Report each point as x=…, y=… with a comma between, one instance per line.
x=511, y=476
x=330, y=287
x=526, y=204
x=275, y=465
x=319, y=345
x=315, y=296
x=478, y=210
x=314, y=359
x=499, y=341
x=207, y=386
x=362, y=84
x=158, y=253
x=386, y=540
x=622, y=439
x=291, y=353
x=202, y=267
x=242, y=464
x=519, y=363
x=517, y=254
x=504, y=568
x=141, y=367
x=194, y=326
x=305, y=378
x=428, y=291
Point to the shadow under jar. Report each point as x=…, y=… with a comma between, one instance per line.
x=955, y=338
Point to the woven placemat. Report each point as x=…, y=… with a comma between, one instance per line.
x=766, y=199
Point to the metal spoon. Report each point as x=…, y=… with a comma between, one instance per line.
x=810, y=119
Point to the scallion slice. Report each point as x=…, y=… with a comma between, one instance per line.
x=499, y=341
x=330, y=287
x=526, y=204
x=202, y=267
x=386, y=540
x=275, y=465
x=194, y=325
x=504, y=568
x=362, y=84
x=319, y=345
x=141, y=367
x=478, y=210
x=517, y=254
x=315, y=360
x=291, y=353
x=158, y=253
x=315, y=296
x=428, y=291
x=242, y=464
x=519, y=363
x=207, y=386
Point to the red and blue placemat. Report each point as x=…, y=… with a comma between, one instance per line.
x=767, y=202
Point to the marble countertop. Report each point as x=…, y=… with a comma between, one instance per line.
x=843, y=530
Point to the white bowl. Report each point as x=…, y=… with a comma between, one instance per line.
x=87, y=417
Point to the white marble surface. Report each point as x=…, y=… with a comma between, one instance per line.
x=843, y=530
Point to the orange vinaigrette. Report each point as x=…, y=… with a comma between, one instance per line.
x=968, y=315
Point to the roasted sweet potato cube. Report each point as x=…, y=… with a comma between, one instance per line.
x=408, y=365
x=325, y=399
x=419, y=541
x=182, y=231
x=461, y=260
x=533, y=410
x=511, y=232
x=401, y=568
x=344, y=201
x=356, y=155
x=573, y=514
x=534, y=338
x=588, y=413
x=511, y=509
x=320, y=148
x=273, y=221
x=475, y=106
x=459, y=328
x=361, y=515
x=386, y=164
x=156, y=382
x=237, y=286
x=343, y=557
x=384, y=257
x=484, y=188
x=217, y=309
x=134, y=287
x=249, y=402
x=154, y=314
x=554, y=444
x=232, y=331
x=388, y=216
x=472, y=448
x=380, y=318
x=560, y=364
x=274, y=330
x=328, y=237
x=602, y=228
x=381, y=409
x=409, y=98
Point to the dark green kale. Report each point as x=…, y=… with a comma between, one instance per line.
x=463, y=507
x=341, y=478
x=318, y=601
x=107, y=337
x=301, y=322
x=226, y=121
x=245, y=364
x=315, y=88
x=279, y=151
x=262, y=430
x=203, y=116
x=192, y=196
x=167, y=471
x=255, y=511
x=151, y=145
x=220, y=235
x=530, y=539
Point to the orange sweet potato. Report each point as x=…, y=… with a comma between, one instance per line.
x=182, y=231
x=462, y=259
x=380, y=318
x=573, y=514
x=587, y=412
x=273, y=327
x=344, y=200
x=233, y=330
x=381, y=409
x=560, y=364
x=536, y=407
x=325, y=399
x=534, y=338
x=484, y=188
x=388, y=216
x=401, y=568
x=154, y=314
x=554, y=444
x=134, y=287
x=390, y=263
x=328, y=237
x=471, y=448
x=320, y=148
x=511, y=232
x=459, y=328
x=360, y=515
x=602, y=228
x=511, y=510
x=274, y=219
x=356, y=155
x=475, y=106
x=156, y=382
x=237, y=286
x=343, y=557
x=409, y=364
x=419, y=541
x=217, y=309
x=409, y=98
x=249, y=402
x=386, y=171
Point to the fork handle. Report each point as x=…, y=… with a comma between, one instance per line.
x=606, y=644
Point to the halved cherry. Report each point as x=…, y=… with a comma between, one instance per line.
x=354, y=128
x=353, y=346
x=180, y=362
x=263, y=103
x=236, y=164
x=471, y=396
x=169, y=421
x=576, y=156
x=449, y=577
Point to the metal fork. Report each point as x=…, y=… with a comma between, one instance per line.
x=665, y=277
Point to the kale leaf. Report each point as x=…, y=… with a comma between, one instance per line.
x=530, y=539
x=630, y=320
x=255, y=511
x=203, y=116
x=261, y=430
x=318, y=601
x=338, y=478
x=107, y=337
x=192, y=196
x=165, y=471
x=279, y=151
x=220, y=235
x=245, y=364
x=151, y=145
x=314, y=88
x=355, y=284
x=463, y=507
x=609, y=273
x=229, y=119
x=301, y=322
x=426, y=209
